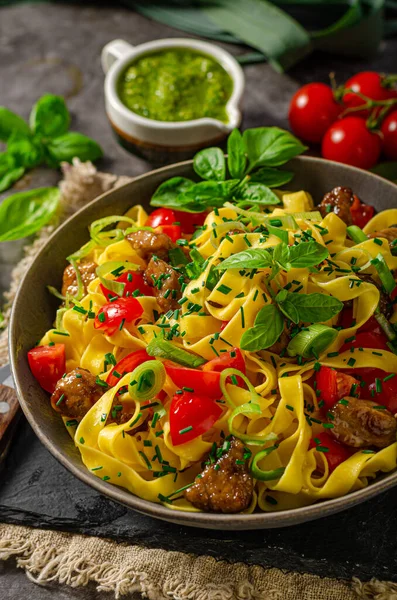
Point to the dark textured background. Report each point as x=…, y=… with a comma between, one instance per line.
x=48, y=48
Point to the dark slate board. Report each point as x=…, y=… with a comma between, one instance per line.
x=37, y=491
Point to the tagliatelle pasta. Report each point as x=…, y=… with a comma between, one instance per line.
x=286, y=315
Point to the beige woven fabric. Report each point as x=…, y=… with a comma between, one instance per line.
x=76, y=560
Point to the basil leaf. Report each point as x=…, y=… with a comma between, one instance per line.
x=269, y=325
x=257, y=193
x=50, y=117
x=236, y=159
x=307, y=254
x=281, y=255
x=25, y=149
x=10, y=177
x=272, y=177
x=270, y=146
x=247, y=259
x=11, y=122
x=314, y=308
x=289, y=310
x=279, y=232
x=168, y=192
x=26, y=212
x=72, y=145
x=210, y=164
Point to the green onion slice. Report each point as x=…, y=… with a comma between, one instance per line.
x=160, y=348
x=384, y=273
x=261, y=475
x=150, y=378
x=84, y=250
x=314, y=215
x=59, y=319
x=356, y=234
x=101, y=237
x=80, y=284
x=312, y=340
x=54, y=292
x=111, y=284
x=385, y=325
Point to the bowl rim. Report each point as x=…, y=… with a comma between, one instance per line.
x=223, y=57
x=238, y=521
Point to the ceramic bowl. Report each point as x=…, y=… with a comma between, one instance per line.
x=34, y=309
x=163, y=142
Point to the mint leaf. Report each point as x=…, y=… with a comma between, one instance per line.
x=210, y=164
x=247, y=259
x=269, y=325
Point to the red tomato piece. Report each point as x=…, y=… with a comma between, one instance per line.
x=191, y=415
x=48, y=364
x=226, y=361
x=186, y=221
x=350, y=142
x=112, y=316
x=389, y=130
x=333, y=385
x=161, y=216
x=361, y=213
x=133, y=281
x=173, y=231
x=337, y=452
x=203, y=383
x=189, y=221
x=224, y=324
x=367, y=339
x=127, y=365
x=388, y=394
x=312, y=111
x=368, y=83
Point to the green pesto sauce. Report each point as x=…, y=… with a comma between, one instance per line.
x=176, y=85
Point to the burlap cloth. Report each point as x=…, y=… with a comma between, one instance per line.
x=76, y=560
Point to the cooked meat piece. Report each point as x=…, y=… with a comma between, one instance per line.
x=165, y=281
x=80, y=392
x=149, y=243
x=390, y=234
x=225, y=486
x=339, y=201
x=362, y=424
x=69, y=280
x=385, y=303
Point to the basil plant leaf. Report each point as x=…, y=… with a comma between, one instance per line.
x=270, y=146
x=289, y=311
x=272, y=177
x=254, y=258
x=9, y=178
x=236, y=159
x=281, y=256
x=10, y=122
x=26, y=150
x=167, y=193
x=50, y=117
x=209, y=191
x=72, y=145
x=307, y=254
x=269, y=325
x=258, y=193
x=314, y=308
x=210, y=164
x=26, y=212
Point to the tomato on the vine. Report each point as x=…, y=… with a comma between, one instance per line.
x=349, y=141
x=367, y=83
x=389, y=130
x=312, y=110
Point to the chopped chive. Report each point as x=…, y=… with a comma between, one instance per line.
x=96, y=468
x=351, y=362
x=185, y=429
x=82, y=440
x=145, y=458
x=242, y=317
x=224, y=289
x=61, y=398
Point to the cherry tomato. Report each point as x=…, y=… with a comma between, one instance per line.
x=333, y=385
x=166, y=216
x=312, y=110
x=191, y=415
x=133, y=281
x=367, y=339
x=361, y=213
x=206, y=381
x=337, y=452
x=48, y=364
x=112, y=316
x=389, y=130
x=127, y=365
x=350, y=142
x=368, y=83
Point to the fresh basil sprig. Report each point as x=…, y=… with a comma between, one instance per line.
x=303, y=255
x=268, y=327
x=308, y=308
x=25, y=213
x=46, y=140
x=252, y=163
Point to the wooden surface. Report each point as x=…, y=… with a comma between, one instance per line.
x=56, y=48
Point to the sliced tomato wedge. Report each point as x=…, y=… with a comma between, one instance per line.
x=335, y=452
x=376, y=388
x=173, y=231
x=48, y=364
x=333, y=385
x=127, y=365
x=206, y=380
x=191, y=415
x=361, y=213
x=133, y=281
x=112, y=316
